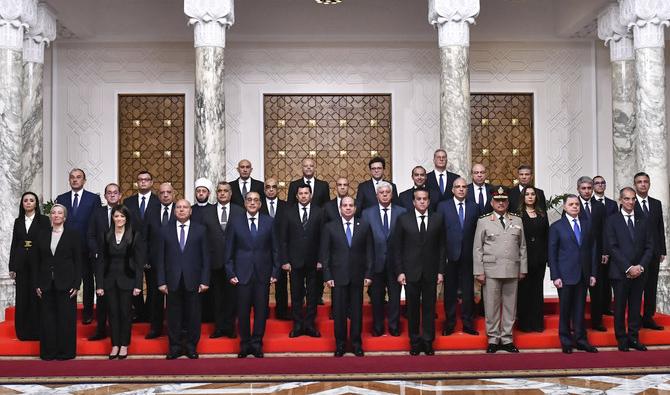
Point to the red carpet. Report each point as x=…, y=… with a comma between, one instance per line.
x=277, y=340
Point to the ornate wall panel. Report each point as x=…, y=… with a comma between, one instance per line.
x=502, y=134
x=151, y=137
x=340, y=132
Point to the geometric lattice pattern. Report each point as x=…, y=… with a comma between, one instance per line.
x=502, y=134
x=340, y=132
x=151, y=137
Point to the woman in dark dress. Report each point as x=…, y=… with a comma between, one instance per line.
x=57, y=280
x=530, y=300
x=118, y=275
x=29, y=224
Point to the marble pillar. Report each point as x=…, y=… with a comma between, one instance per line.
x=15, y=18
x=647, y=19
x=32, y=158
x=210, y=20
x=622, y=56
x=452, y=20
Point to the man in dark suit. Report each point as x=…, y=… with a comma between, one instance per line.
x=460, y=221
x=300, y=235
x=525, y=177
x=100, y=223
x=406, y=198
x=366, y=196
x=142, y=206
x=80, y=205
x=332, y=207
x=244, y=183
x=224, y=296
x=156, y=220
x=573, y=264
x=592, y=211
x=630, y=243
x=276, y=208
x=611, y=207
x=652, y=210
x=479, y=191
x=320, y=188
x=419, y=250
x=183, y=274
x=346, y=254
x=252, y=266
x=599, y=186
x=441, y=180
x=382, y=219
x=203, y=188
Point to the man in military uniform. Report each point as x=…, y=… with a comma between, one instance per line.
x=499, y=255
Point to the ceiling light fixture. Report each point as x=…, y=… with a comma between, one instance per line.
x=328, y=2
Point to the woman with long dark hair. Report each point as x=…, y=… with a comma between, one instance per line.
x=27, y=226
x=530, y=300
x=57, y=280
x=118, y=276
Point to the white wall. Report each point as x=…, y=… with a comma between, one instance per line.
x=562, y=76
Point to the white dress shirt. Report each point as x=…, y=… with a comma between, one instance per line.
x=388, y=213
x=79, y=193
x=457, y=202
x=241, y=183
x=351, y=225
x=219, y=210
x=169, y=210
x=301, y=211
x=256, y=220
x=476, y=188
x=418, y=218
x=187, y=226
x=29, y=221
x=146, y=197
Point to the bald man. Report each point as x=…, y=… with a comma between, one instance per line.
x=320, y=188
x=245, y=184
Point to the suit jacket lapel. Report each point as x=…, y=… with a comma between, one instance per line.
x=571, y=231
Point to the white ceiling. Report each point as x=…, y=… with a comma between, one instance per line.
x=304, y=20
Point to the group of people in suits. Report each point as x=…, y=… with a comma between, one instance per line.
x=216, y=262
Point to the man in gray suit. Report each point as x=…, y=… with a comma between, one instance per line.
x=499, y=262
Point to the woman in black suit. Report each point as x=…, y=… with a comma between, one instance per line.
x=57, y=280
x=530, y=300
x=118, y=276
x=29, y=224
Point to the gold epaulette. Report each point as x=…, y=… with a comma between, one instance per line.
x=484, y=215
x=514, y=214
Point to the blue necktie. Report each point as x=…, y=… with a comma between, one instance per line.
x=387, y=229
x=143, y=207
x=481, y=200
x=75, y=204
x=182, y=237
x=442, y=183
x=461, y=214
x=348, y=232
x=578, y=231
x=252, y=228
x=631, y=227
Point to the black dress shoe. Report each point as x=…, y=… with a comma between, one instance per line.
x=172, y=355
x=192, y=355
x=651, y=324
x=152, y=335
x=97, y=336
x=470, y=331
x=311, y=332
x=599, y=327
x=623, y=346
x=216, y=334
x=358, y=351
x=428, y=349
x=258, y=354
x=242, y=354
x=567, y=349
x=376, y=333
x=492, y=348
x=339, y=352
x=415, y=350
x=394, y=332
x=586, y=347
x=637, y=346
x=509, y=347
x=86, y=320
x=447, y=331
x=295, y=333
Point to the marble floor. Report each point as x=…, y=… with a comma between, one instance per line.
x=646, y=384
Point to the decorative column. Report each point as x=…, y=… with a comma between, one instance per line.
x=210, y=18
x=15, y=18
x=452, y=18
x=648, y=18
x=622, y=57
x=32, y=158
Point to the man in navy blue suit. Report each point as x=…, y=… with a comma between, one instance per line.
x=460, y=220
x=630, y=244
x=479, y=191
x=183, y=274
x=406, y=198
x=440, y=180
x=382, y=219
x=652, y=210
x=366, y=196
x=611, y=207
x=573, y=265
x=252, y=265
x=80, y=205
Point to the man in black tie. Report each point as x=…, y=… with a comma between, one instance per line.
x=300, y=235
x=525, y=177
x=652, y=210
x=406, y=198
x=346, y=254
x=366, y=196
x=97, y=229
x=479, y=191
x=244, y=183
x=183, y=274
x=332, y=207
x=630, y=243
x=420, y=258
x=320, y=188
x=440, y=180
x=158, y=220
x=275, y=208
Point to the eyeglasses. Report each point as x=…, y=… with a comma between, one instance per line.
x=599, y=183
